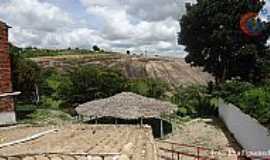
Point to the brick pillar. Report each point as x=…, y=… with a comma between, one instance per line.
x=6, y=103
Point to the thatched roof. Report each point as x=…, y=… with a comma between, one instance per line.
x=126, y=106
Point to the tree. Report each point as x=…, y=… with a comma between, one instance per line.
x=26, y=78
x=128, y=52
x=86, y=83
x=211, y=32
x=148, y=87
x=96, y=48
x=14, y=50
x=194, y=101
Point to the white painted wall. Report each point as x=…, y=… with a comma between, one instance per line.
x=7, y=118
x=249, y=133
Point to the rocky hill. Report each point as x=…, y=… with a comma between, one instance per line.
x=173, y=70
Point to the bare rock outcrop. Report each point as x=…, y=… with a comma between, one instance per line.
x=175, y=71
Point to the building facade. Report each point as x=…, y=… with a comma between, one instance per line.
x=7, y=113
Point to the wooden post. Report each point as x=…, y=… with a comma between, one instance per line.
x=161, y=129
x=141, y=123
x=96, y=120
x=198, y=153
x=172, y=151
x=171, y=122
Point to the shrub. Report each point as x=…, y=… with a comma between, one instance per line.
x=46, y=74
x=230, y=91
x=46, y=116
x=30, y=52
x=91, y=82
x=23, y=110
x=26, y=76
x=256, y=103
x=128, y=52
x=96, y=48
x=54, y=84
x=148, y=87
x=50, y=103
x=251, y=99
x=194, y=101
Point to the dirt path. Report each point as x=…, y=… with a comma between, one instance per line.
x=208, y=133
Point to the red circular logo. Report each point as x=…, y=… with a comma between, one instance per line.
x=250, y=24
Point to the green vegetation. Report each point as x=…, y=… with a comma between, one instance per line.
x=256, y=102
x=200, y=101
x=31, y=52
x=239, y=62
x=212, y=36
x=87, y=83
x=47, y=116
x=51, y=93
x=148, y=87
x=231, y=90
x=50, y=96
x=26, y=77
x=128, y=52
x=96, y=48
x=251, y=99
x=194, y=101
x=64, y=91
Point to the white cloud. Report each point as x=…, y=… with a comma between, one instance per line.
x=117, y=24
x=102, y=3
x=41, y=24
x=83, y=37
x=34, y=15
x=154, y=10
x=33, y=21
x=265, y=12
x=23, y=37
x=137, y=25
x=149, y=10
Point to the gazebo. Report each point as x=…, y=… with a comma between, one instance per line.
x=129, y=108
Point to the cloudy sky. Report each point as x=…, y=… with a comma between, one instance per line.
x=118, y=25
x=137, y=25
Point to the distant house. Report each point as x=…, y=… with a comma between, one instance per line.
x=129, y=108
x=7, y=114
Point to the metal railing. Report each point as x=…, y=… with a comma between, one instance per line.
x=178, y=151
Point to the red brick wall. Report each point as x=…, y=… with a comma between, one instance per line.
x=6, y=104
